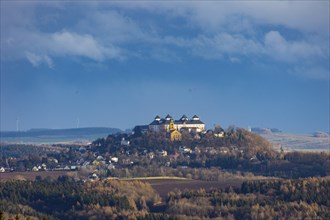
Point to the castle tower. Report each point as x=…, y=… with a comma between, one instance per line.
x=168, y=117
x=195, y=118
x=184, y=118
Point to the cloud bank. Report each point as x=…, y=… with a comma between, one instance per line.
x=284, y=32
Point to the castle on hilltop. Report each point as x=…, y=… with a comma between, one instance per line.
x=184, y=123
x=173, y=127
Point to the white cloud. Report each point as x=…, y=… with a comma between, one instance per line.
x=112, y=27
x=67, y=43
x=213, y=16
x=48, y=61
x=234, y=60
x=37, y=60
x=218, y=46
x=273, y=46
x=224, y=44
x=43, y=47
x=280, y=49
x=307, y=16
x=22, y=31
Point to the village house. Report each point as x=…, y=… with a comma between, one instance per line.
x=124, y=142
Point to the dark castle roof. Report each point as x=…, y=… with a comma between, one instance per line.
x=183, y=120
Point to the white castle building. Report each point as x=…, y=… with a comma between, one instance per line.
x=184, y=123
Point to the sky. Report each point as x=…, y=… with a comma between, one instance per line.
x=121, y=63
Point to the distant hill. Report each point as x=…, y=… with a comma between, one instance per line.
x=57, y=135
x=319, y=141
x=321, y=134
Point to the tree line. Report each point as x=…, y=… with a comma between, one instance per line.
x=114, y=199
x=279, y=199
x=66, y=198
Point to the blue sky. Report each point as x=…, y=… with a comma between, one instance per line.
x=118, y=64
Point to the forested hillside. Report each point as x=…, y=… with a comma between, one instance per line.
x=114, y=199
